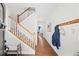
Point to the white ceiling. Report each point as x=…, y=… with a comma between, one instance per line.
x=43, y=10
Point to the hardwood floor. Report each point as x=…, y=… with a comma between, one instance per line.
x=44, y=49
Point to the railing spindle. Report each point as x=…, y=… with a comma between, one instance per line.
x=14, y=28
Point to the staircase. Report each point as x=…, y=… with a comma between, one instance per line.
x=15, y=28
x=22, y=37
x=24, y=14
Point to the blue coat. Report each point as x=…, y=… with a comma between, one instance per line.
x=56, y=37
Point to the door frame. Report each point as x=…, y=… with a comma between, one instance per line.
x=3, y=17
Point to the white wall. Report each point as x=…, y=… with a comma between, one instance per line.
x=12, y=41
x=69, y=42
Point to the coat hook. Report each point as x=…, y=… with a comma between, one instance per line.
x=62, y=31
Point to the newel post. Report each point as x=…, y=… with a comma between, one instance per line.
x=17, y=18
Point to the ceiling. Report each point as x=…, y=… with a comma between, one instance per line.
x=43, y=10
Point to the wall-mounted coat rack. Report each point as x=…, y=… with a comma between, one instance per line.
x=69, y=22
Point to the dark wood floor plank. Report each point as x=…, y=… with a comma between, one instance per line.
x=44, y=49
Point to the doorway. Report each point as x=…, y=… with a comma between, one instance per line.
x=2, y=17
x=41, y=28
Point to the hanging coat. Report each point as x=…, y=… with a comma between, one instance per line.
x=56, y=37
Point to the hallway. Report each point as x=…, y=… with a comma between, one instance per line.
x=44, y=49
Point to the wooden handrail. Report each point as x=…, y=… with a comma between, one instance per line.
x=23, y=27
x=26, y=30
x=30, y=9
x=24, y=40
x=69, y=22
x=24, y=11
